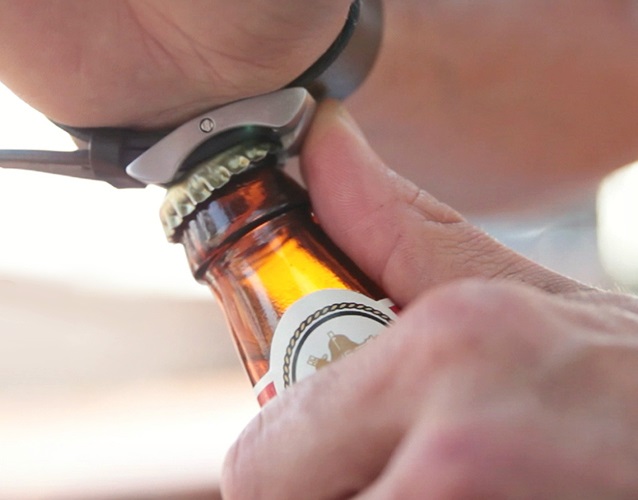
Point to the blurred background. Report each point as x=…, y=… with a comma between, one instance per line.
x=118, y=378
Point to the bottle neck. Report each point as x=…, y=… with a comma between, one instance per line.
x=251, y=199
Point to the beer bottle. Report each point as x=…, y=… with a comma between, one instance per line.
x=294, y=302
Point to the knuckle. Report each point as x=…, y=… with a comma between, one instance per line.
x=472, y=317
x=457, y=459
x=449, y=463
x=472, y=248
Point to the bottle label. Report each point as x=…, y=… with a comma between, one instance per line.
x=318, y=329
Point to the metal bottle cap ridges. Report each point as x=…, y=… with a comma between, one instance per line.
x=183, y=197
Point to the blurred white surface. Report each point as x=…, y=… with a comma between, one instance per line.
x=117, y=373
x=143, y=440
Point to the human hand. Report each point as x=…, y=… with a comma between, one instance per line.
x=500, y=379
x=529, y=101
x=497, y=105
x=154, y=63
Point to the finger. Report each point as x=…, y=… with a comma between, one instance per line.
x=332, y=435
x=327, y=437
x=482, y=432
x=488, y=458
x=399, y=235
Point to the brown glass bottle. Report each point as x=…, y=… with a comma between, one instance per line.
x=255, y=243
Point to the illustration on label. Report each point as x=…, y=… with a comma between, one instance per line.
x=339, y=346
x=320, y=328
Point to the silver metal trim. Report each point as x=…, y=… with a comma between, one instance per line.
x=287, y=113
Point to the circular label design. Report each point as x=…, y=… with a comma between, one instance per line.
x=322, y=327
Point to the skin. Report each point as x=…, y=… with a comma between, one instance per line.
x=539, y=97
x=156, y=63
x=500, y=379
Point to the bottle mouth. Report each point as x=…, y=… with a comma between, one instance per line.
x=207, y=177
x=209, y=222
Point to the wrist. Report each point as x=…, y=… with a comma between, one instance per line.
x=335, y=74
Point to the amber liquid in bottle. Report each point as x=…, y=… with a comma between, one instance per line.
x=256, y=245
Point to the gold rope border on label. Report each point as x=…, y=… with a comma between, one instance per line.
x=315, y=316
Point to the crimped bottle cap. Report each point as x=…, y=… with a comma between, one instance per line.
x=183, y=197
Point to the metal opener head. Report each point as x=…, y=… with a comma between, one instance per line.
x=138, y=159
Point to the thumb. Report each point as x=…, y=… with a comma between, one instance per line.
x=398, y=234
